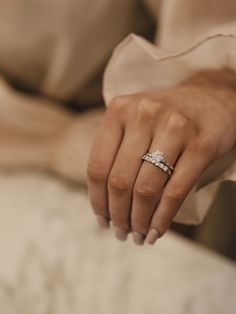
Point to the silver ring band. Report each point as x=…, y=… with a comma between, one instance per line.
x=157, y=158
x=163, y=161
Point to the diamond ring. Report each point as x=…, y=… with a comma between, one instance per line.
x=157, y=158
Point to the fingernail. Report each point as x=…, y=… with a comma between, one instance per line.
x=152, y=236
x=138, y=238
x=103, y=222
x=121, y=234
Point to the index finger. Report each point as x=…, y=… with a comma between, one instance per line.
x=100, y=161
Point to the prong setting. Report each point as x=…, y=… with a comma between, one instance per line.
x=157, y=158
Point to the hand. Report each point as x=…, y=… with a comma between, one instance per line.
x=193, y=124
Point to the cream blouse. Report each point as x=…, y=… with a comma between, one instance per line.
x=58, y=47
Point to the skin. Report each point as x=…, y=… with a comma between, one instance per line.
x=193, y=124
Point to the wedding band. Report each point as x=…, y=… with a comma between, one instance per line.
x=157, y=158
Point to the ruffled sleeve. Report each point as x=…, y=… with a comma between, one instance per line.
x=138, y=65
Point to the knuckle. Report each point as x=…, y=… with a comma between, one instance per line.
x=118, y=183
x=174, y=195
x=146, y=111
x=96, y=171
x=177, y=121
x=145, y=191
x=118, y=102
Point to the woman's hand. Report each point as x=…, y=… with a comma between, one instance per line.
x=192, y=124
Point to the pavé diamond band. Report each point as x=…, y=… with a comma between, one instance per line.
x=157, y=158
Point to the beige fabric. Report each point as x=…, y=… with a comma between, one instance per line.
x=55, y=259
x=194, y=35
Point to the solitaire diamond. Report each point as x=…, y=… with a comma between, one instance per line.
x=157, y=158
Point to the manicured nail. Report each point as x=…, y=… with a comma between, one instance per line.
x=121, y=234
x=138, y=238
x=103, y=222
x=152, y=236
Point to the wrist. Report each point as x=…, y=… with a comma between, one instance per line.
x=220, y=85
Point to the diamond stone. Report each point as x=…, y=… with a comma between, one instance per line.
x=157, y=156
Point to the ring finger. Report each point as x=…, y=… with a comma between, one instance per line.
x=150, y=182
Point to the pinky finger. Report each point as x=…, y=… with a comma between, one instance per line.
x=186, y=174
